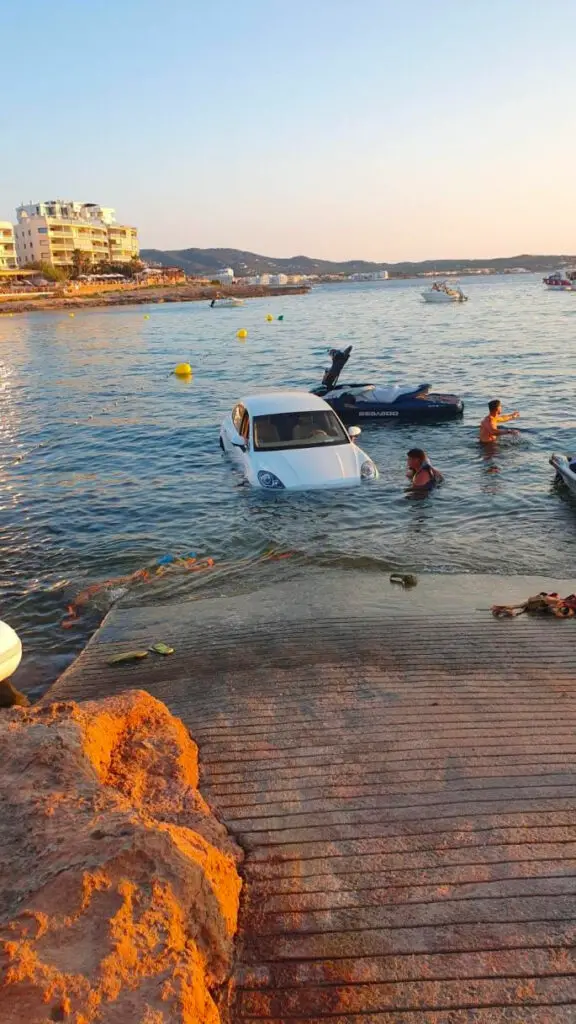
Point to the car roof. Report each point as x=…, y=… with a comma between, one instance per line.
x=268, y=403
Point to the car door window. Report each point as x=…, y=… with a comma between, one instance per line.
x=245, y=427
x=237, y=414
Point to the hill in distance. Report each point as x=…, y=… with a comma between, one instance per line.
x=246, y=264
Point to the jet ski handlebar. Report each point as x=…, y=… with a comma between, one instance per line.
x=339, y=359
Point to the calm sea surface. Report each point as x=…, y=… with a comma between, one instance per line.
x=108, y=462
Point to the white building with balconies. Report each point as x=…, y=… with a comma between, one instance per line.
x=8, y=260
x=50, y=232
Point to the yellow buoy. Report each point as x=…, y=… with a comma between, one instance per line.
x=269, y=317
x=146, y=316
x=70, y=314
x=242, y=333
x=183, y=370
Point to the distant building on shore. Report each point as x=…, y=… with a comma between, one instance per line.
x=224, y=277
x=376, y=275
x=49, y=232
x=8, y=260
x=276, y=280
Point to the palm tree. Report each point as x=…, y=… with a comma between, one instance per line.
x=81, y=263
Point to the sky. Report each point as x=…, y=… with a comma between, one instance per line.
x=372, y=129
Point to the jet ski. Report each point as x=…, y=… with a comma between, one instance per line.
x=565, y=470
x=409, y=404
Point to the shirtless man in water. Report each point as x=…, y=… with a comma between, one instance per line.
x=489, y=428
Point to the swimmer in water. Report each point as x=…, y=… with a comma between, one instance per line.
x=420, y=472
x=490, y=427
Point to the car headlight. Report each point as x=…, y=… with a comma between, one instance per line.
x=368, y=470
x=269, y=480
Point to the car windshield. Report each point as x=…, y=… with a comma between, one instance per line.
x=298, y=430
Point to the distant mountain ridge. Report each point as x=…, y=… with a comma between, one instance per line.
x=244, y=264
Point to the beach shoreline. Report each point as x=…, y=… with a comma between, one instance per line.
x=143, y=297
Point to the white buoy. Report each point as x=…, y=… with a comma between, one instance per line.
x=10, y=651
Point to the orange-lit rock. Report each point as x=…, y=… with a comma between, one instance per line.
x=118, y=889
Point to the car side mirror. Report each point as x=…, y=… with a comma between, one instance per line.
x=354, y=432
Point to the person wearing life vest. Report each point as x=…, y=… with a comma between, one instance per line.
x=490, y=429
x=420, y=472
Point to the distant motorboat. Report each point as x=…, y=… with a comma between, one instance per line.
x=558, y=283
x=441, y=291
x=226, y=303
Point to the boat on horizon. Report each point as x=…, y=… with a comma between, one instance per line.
x=441, y=291
x=560, y=282
x=228, y=302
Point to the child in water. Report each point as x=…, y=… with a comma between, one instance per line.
x=490, y=429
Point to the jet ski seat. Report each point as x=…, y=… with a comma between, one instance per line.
x=381, y=395
x=387, y=396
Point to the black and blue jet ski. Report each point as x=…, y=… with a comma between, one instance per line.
x=357, y=402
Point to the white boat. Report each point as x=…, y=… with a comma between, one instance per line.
x=227, y=303
x=565, y=470
x=441, y=291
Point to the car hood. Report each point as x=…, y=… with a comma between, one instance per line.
x=314, y=467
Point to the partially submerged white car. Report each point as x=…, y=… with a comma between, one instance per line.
x=292, y=439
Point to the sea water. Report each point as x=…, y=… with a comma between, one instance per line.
x=108, y=461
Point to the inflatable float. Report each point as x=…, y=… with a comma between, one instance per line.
x=10, y=651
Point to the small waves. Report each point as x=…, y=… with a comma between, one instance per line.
x=108, y=462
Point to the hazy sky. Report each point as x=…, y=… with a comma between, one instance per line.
x=334, y=128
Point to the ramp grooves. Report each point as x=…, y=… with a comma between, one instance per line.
x=403, y=783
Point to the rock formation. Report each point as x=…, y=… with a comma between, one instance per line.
x=11, y=697
x=118, y=889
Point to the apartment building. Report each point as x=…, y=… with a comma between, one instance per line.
x=49, y=232
x=123, y=242
x=7, y=246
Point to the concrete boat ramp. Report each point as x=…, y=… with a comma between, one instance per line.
x=400, y=769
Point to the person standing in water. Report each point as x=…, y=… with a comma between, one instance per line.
x=490, y=427
x=421, y=473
